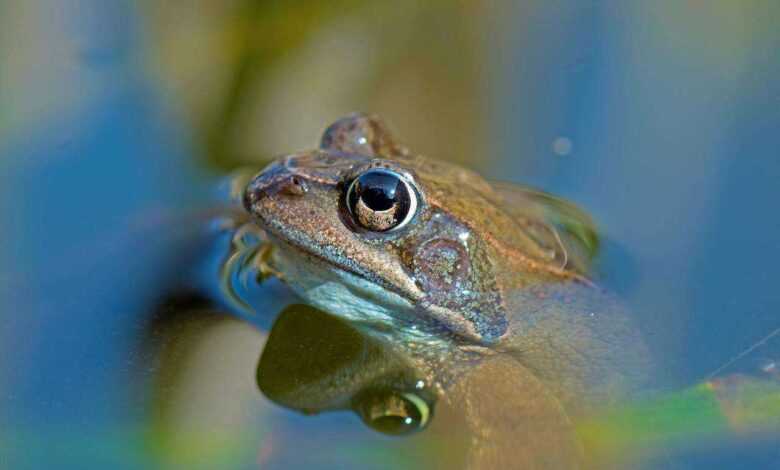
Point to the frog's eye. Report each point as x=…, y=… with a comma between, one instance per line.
x=381, y=200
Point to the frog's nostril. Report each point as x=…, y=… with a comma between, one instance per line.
x=271, y=182
x=293, y=186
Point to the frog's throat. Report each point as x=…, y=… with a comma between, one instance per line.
x=340, y=290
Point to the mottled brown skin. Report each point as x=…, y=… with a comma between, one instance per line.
x=485, y=278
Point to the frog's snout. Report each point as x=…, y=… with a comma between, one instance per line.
x=276, y=179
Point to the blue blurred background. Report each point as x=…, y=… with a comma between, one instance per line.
x=117, y=119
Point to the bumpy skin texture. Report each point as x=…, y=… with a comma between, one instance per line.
x=480, y=270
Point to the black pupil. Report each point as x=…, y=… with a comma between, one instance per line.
x=380, y=190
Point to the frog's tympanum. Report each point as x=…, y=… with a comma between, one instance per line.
x=460, y=273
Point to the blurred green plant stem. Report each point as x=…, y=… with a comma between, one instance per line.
x=733, y=406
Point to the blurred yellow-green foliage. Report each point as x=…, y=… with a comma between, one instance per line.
x=260, y=78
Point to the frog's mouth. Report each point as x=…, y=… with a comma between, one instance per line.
x=293, y=242
x=343, y=289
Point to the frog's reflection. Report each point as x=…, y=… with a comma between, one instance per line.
x=314, y=362
x=493, y=412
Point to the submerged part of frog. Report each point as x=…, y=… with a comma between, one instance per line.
x=314, y=362
x=495, y=416
x=431, y=256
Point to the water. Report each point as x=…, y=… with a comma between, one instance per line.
x=117, y=350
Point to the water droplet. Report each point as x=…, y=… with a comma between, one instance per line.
x=562, y=146
x=770, y=367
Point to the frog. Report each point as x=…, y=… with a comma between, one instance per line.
x=484, y=285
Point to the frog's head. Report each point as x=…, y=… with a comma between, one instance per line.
x=365, y=230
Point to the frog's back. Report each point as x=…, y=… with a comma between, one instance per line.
x=579, y=340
